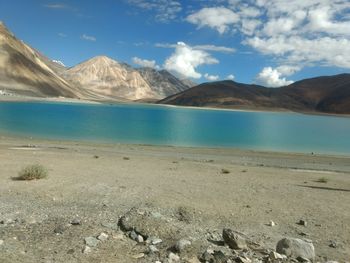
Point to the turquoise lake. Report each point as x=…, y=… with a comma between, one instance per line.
x=177, y=126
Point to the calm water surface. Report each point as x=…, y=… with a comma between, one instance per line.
x=161, y=125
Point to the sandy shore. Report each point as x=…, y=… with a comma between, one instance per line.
x=99, y=183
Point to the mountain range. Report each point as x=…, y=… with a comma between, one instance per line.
x=327, y=94
x=25, y=71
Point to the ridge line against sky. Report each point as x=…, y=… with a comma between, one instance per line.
x=268, y=42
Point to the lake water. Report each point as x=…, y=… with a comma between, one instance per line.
x=162, y=125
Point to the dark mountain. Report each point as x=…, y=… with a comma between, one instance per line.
x=330, y=94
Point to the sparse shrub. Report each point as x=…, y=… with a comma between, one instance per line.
x=225, y=171
x=322, y=180
x=32, y=172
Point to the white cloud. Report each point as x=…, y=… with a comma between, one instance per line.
x=62, y=35
x=186, y=59
x=296, y=32
x=270, y=77
x=88, y=38
x=211, y=77
x=230, y=77
x=219, y=18
x=222, y=49
x=56, y=6
x=145, y=63
x=165, y=10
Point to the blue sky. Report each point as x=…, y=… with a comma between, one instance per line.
x=269, y=42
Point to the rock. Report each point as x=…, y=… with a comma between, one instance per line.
x=271, y=223
x=152, y=249
x=234, y=239
x=182, y=244
x=294, y=247
x=219, y=257
x=172, y=258
x=333, y=244
x=87, y=250
x=1, y=242
x=243, y=259
x=274, y=255
x=302, y=259
x=155, y=240
x=75, y=222
x=193, y=260
x=91, y=241
x=139, y=239
x=302, y=222
x=133, y=235
x=102, y=237
x=138, y=256
x=59, y=229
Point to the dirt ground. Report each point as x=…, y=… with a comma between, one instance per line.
x=99, y=183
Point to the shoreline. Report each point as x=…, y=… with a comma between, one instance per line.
x=83, y=101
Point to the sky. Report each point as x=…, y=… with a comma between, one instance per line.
x=266, y=42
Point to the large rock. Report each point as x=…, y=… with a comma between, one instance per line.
x=234, y=239
x=294, y=247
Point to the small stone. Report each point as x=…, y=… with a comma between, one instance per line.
x=152, y=249
x=59, y=229
x=70, y=251
x=234, y=239
x=182, y=244
x=274, y=255
x=271, y=223
x=243, y=259
x=133, y=235
x=156, y=241
x=75, y=222
x=87, y=250
x=102, y=237
x=193, y=260
x=302, y=259
x=1, y=242
x=139, y=239
x=302, y=222
x=333, y=244
x=118, y=236
x=294, y=247
x=172, y=258
x=91, y=241
x=138, y=256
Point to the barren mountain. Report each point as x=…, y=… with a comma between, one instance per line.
x=23, y=71
x=330, y=94
x=162, y=82
x=105, y=76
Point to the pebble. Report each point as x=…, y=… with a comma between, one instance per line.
x=59, y=229
x=153, y=249
x=91, y=241
x=75, y=222
x=138, y=256
x=102, y=237
x=86, y=250
x=182, y=244
x=133, y=235
x=139, y=239
x=302, y=222
x=294, y=247
x=234, y=239
x=173, y=258
x=155, y=240
x=271, y=223
x=1, y=242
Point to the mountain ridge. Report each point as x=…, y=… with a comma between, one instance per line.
x=327, y=94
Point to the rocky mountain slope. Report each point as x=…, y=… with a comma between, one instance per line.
x=23, y=71
x=162, y=82
x=330, y=94
x=107, y=77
